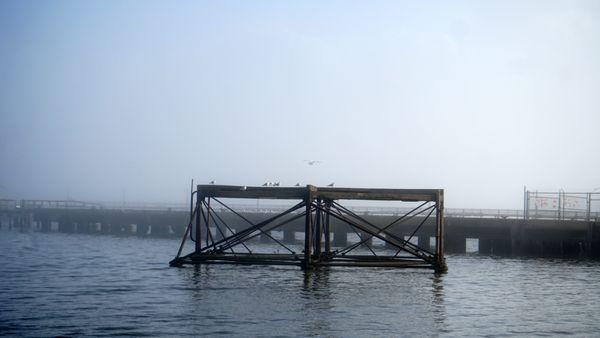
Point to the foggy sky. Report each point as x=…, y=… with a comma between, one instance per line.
x=130, y=100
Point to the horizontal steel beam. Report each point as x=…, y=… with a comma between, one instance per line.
x=234, y=191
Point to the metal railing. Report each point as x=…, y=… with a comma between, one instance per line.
x=564, y=214
x=561, y=205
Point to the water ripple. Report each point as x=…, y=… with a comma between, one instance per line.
x=80, y=285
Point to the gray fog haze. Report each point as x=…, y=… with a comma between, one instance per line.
x=120, y=100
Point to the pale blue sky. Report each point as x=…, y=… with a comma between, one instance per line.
x=105, y=99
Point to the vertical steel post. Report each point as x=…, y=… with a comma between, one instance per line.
x=207, y=221
x=306, y=263
x=438, y=234
x=317, y=236
x=439, y=247
x=199, y=200
x=327, y=228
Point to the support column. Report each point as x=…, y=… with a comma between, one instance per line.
x=46, y=225
x=199, y=211
x=439, y=245
x=588, y=200
x=517, y=238
x=207, y=221
x=340, y=235
x=308, y=236
x=423, y=241
x=327, y=228
x=289, y=235
x=486, y=246
x=317, y=235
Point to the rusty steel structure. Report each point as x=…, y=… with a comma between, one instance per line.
x=317, y=206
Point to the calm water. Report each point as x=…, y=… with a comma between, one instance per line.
x=58, y=284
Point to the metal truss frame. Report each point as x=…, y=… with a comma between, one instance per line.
x=318, y=206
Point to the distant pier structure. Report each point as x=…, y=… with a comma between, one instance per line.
x=216, y=241
x=550, y=224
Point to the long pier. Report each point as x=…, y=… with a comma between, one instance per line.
x=497, y=232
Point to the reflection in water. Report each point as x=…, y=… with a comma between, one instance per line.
x=316, y=294
x=78, y=285
x=437, y=290
x=316, y=282
x=199, y=277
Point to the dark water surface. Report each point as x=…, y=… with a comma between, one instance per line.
x=58, y=284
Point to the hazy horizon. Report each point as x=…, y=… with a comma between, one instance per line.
x=115, y=101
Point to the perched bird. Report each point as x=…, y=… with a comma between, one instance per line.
x=331, y=184
x=266, y=184
x=297, y=185
x=212, y=182
x=244, y=188
x=276, y=184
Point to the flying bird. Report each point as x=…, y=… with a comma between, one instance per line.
x=312, y=162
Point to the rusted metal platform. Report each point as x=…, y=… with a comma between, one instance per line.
x=317, y=205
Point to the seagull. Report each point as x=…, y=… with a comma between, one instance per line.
x=212, y=182
x=276, y=184
x=297, y=185
x=331, y=184
x=312, y=162
x=244, y=188
x=266, y=184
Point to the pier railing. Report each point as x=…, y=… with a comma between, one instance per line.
x=561, y=205
x=564, y=214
